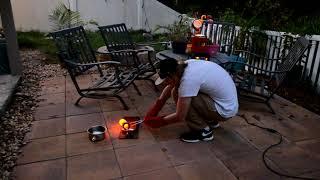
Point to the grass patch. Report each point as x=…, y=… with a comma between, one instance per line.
x=40, y=41
x=95, y=39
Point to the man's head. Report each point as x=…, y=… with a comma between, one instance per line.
x=167, y=68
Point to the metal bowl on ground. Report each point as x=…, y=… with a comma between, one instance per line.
x=96, y=133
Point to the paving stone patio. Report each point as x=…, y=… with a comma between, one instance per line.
x=59, y=148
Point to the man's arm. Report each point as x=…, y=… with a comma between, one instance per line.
x=181, y=113
x=159, y=103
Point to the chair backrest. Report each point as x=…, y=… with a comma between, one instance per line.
x=116, y=37
x=221, y=33
x=262, y=81
x=294, y=55
x=73, y=45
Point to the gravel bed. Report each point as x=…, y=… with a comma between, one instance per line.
x=17, y=119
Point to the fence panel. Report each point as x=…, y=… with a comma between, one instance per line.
x=276, y=45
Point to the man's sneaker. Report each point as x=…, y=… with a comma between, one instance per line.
x=196, y=136
x=214, y=126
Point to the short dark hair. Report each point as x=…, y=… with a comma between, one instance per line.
x=167, y=67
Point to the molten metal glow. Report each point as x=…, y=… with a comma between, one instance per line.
x=123, y=123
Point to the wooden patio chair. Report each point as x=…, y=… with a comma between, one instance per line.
x=221, y=33
x=117, y=38
x=258, y=81
x=77, y=55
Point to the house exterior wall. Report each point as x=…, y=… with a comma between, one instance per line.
x=137, y=14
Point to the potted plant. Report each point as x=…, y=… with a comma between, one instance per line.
x=178, y=33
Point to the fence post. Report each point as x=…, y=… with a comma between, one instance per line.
x=11, y=37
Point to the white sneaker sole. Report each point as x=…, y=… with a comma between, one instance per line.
x=216, y=126
x=197, y=140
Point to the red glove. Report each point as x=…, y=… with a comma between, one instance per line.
x=155, y=121
x=155, y=108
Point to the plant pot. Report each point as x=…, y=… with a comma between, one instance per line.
x=179, y=47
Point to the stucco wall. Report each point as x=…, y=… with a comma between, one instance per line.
x=137, y=14
x=32, y=14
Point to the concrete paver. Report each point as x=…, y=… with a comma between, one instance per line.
x=79, y=144
x=228, y=144
x=162, y=174
x=97, y=165
x=208, y=169
x=48, y=170
x=47, y=128
x=251, y=166
x=49, y=112
x=182, y=153
x=141, y=158
x=293, y=159
x=43, y=149
x=81, y=123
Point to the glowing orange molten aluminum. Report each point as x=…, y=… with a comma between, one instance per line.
x=124, y=124
x=130, y=127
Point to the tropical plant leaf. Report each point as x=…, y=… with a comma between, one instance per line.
x=62, y=17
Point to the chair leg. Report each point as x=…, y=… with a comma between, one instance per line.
x=269, y=105
x=78, y=100
x=125, y=106
x=100, y=71
x=136, y=88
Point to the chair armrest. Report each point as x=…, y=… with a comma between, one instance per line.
x=92, y=64
x=251, y=66
x=256, y=55
x=123, y=51
x=152, y=43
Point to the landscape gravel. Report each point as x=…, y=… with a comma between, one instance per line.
x=16, y=121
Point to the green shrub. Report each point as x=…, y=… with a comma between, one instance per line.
x=95, y=39
x=38, y=40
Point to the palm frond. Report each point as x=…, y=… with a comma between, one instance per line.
x=62, y=17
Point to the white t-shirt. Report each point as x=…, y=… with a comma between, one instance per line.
x=210, y=78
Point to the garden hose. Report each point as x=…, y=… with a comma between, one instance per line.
x=270, y=147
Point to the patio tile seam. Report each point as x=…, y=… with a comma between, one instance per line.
x=55, y=117
x=39, y=120
x=133, y=145
x=115, y=155
x=39, y=138
x=260, y=152
x=199, y=161
x=112, y=143
x=306, y=139
x=180, y=176
x=45, y=94
x=65, y=125
x=255, y=146
x=153, y=170
x=51, y=159
x=306, y=174
x=84, y=153
x=311, y=139
x=247, y=140
x=108, y=111
x=83, y=114
x=65, y=134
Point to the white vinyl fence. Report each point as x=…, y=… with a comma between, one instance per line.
x=137, y=14
x=310, y=63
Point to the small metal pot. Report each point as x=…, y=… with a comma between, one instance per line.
x=96, y=133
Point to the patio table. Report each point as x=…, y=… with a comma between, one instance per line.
x=219, y=58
